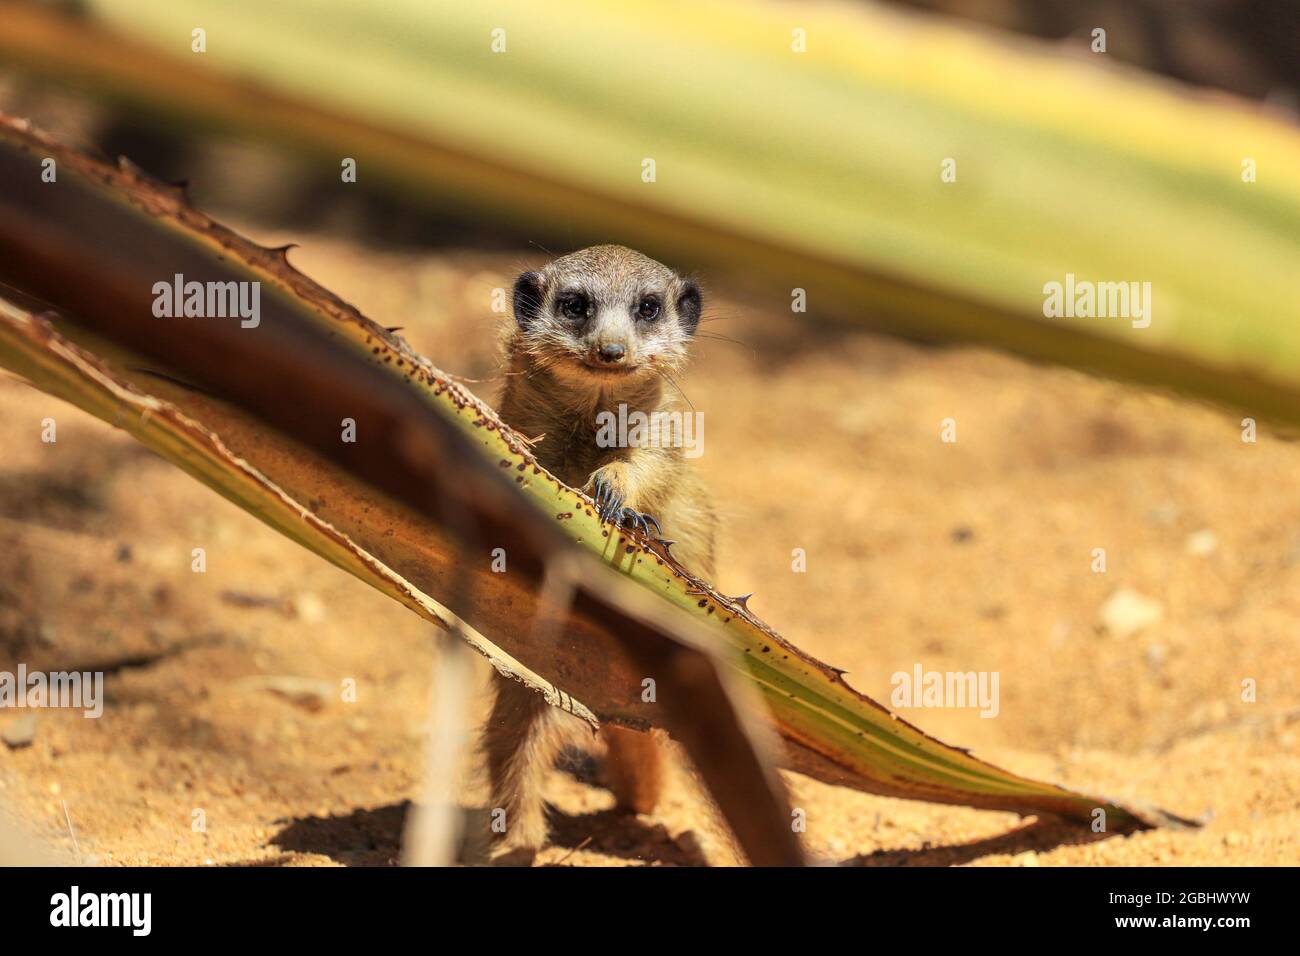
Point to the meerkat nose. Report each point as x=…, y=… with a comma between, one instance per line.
x=612, y=352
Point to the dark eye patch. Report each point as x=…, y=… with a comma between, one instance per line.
x=574, y=305
x=649, y=307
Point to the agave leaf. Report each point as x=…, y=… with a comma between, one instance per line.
x=35, y=350
x=80, y=244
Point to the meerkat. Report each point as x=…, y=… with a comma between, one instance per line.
x=595, y=329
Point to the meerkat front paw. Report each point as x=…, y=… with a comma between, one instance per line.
x=608, y=488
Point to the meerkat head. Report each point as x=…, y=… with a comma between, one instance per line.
x=606, y=315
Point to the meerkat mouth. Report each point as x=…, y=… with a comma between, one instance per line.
x=617, y=370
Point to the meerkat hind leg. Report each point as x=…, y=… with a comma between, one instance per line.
x=633, y=767
x=524, y=735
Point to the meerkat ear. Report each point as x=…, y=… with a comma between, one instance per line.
x=528, y=298
x=688, y=305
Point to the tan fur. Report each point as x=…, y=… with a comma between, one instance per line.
x=551, y=395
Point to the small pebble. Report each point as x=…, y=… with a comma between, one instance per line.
x=1126, y=612
x=20, y=733
x=309, y=607
x=1202, y=544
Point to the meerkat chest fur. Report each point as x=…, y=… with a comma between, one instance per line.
x=571, y=432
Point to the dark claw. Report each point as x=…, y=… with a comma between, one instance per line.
x=609, y=503
x=639, y=522
x=632, y=519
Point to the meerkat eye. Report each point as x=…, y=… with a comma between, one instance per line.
x=574, y=306
x=649, y=308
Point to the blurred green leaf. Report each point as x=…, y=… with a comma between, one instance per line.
x=819, y=170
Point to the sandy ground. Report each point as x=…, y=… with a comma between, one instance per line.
x=975, y=555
